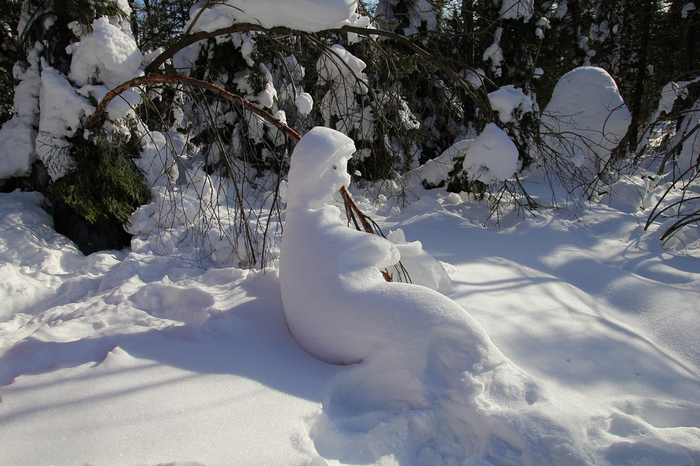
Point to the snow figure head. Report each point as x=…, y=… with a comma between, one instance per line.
x=319, y=168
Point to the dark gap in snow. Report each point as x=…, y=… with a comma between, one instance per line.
x=105, y=234
x=37, y=180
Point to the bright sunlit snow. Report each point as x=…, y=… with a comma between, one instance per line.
x=131, y=357
x=507, y=100
x=491, y=156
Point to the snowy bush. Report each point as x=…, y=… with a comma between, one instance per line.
x=585, y=119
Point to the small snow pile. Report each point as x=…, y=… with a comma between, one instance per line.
x=422, y=360
x=491, y=156
x=422, y=268
x=510, y=102
x=586, y=117
x=303, y=15
x=33, y=257
x=107, y=55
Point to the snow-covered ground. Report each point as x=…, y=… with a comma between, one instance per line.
x=126, y=357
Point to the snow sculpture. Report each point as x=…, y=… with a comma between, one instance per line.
x=340, y=309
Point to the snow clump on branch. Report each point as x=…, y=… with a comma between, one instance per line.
x=302, y=15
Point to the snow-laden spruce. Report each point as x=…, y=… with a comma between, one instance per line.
x=415, y=349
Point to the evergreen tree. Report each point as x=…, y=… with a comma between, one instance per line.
x=10, y=49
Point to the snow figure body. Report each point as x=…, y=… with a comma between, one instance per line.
x=340, y=309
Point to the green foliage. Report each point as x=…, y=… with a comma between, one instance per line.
x=256, y=79
x=392, y=63
x=86, y=11
x=104, y=182
x=459, y=182
x=158, y=23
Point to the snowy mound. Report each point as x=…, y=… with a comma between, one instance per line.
x=417, y=349
x=107, y=54
x=492, y=156
x=141, y=357
x=587, y=116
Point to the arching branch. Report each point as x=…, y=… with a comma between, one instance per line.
x=177, y=79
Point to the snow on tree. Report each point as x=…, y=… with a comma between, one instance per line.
x=342, y=72
x=510, y=103
x=401, y=109
x=303, y=15
x=48, y=106
x=409, y=17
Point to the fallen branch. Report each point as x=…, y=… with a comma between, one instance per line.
x=364, y=220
